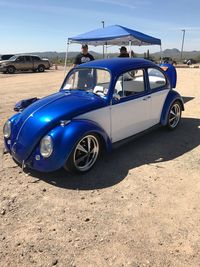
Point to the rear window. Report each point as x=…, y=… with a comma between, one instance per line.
x=156, y=78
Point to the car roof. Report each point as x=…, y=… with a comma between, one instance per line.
x=29, y=55
x=118, y=65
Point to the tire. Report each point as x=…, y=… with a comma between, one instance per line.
x=41, y=68
x=11, y=69
x=174, y=115
x=84, y=155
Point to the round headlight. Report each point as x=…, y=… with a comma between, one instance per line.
x=7, y=129
x=46, y=146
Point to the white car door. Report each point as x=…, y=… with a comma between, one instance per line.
x=159, y=89
x=130, y=114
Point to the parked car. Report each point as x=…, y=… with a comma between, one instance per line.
x=189, y=61
x=6, y=57
x=168, y=60
x=24, y=63
x=99, y=104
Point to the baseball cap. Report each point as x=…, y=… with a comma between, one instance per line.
x=84, y=46
x=123, y=48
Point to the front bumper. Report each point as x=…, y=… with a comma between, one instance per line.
x=35, y=161
x=3, y=68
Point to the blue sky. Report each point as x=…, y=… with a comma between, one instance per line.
x=45, y=25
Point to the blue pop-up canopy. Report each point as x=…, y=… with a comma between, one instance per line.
x=115, y=35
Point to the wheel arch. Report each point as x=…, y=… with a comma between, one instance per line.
x=65, y=139
x=12, y=66
x=82, y=127
x=170, y=99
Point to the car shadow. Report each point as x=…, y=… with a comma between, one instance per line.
x=157, y=146
x=187, y=98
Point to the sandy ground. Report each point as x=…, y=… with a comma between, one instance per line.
x=138, y=207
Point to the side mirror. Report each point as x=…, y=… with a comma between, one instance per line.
x=116, y=96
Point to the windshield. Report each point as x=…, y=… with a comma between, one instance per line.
x=13, y=58
x=92, y=80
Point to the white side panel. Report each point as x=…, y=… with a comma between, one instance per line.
x=100, y=116
x=157, y=102
x=130, y=117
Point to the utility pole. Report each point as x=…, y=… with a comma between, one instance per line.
x=182, y=43
x=103, y=24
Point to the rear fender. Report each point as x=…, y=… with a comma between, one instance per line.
x=64, y=140
x=170, y=71
x=170, y=99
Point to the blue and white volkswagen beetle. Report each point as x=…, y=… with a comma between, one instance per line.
x=100, y=103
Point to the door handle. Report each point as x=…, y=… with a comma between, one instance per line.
x=146, y=98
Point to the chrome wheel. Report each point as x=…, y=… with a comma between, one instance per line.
x=174, y=115
x=86, y=153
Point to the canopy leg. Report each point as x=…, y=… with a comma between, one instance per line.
x=106, y=50
x=129, y=48
x=161, y=54
x=66, y=56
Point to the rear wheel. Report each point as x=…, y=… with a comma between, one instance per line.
x=174, y=115
x=11, y=69
x=84, y=155
x=41, y=68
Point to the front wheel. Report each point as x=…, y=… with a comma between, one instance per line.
x=174, y=115
x=41, y=68
x=11, y=69
x=84, y=155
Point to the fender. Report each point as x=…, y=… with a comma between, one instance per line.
x=64, y=141
x=6, y=143
x=171, y=97
x=170, y=71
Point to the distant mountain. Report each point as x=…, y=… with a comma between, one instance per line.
x=54, y=55
x=173, y=53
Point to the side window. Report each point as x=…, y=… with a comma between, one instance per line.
x=28, y=58
x=156, y=78
x=130, y=83
x=35, y=58
x=20, y=59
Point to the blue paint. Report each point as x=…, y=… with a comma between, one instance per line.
x=42, y=116
x=171, y=73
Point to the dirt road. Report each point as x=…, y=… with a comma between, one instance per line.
x=138, y=207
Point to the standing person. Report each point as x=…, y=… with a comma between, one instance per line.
x=84, y=76
x=132, y=53
x=83, y=57
x=123, y=52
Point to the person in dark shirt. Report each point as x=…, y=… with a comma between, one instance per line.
x=83, y=57
x=84, y=76
x=123, y=52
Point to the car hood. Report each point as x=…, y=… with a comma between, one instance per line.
x=43, y=115
x=3, y=61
